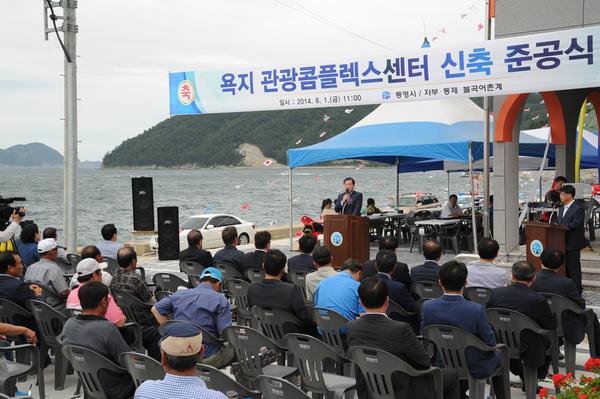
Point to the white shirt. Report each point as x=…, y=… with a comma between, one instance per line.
x=486, y=274
x=109, y=248
x=10, y=231
x=566, y=207
x=450, y=210
x=313, y=279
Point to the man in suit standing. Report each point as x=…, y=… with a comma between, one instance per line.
x=548, y=280
x=376, y=330
x=572, y=215
x=349, y=202
x=254, y=260
x=520, y=297
x=453, y=310
x=428, y=271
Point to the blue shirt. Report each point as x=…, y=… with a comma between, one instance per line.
x=28, y=252
x=201, y=305
x=176, y=387
x=339, y=293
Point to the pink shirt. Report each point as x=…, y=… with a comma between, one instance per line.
x=113, y=314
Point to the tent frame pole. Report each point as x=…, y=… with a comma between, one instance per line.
x=448, y=173
x=473, y=216
x=291, y=209
x=486, y=137
x=397, y=164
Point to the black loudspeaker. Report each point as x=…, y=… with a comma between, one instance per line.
x=168, y=233
x=143, y=203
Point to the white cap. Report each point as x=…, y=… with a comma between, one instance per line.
x=46, y=245
x=89, y=266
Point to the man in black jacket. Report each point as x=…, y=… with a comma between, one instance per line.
x=400, y=273
x=349, y=202
x=254, y=260
x=428, y=271
x=304, y=261
x=548, y=280
x=376, y=330
x=572, y=215
x=520, y=297
x=194, y=251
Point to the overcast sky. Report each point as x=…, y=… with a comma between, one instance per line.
x=126, y=49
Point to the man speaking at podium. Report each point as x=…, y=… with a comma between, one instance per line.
x=572, y=215
x=349, y=202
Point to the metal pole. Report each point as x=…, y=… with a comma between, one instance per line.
x=473, y=218
x=291, y=211
x=397, y=165
x=448, y=173
x=486, y=139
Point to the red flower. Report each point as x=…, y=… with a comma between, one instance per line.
x=585, y=379
x=558, y=379
x=591, y=364
x=582, y=396
x=543, y=393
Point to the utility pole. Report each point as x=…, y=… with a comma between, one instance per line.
x=69, y=29
x=489, y=14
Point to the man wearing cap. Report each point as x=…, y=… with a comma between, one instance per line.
x=181, y=349
x=91, y=330
x=92, y=251
x=205, y=306
x=48, y=273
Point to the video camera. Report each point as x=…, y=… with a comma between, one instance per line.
x=6, y=210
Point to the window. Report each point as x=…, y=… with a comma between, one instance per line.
x=231, y=221
x=218, y=221
x=193, y=223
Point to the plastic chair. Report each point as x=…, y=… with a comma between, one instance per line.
x=73, y=259
x=426, y=289
x=11, y=313
x=134, y=333
x=332, y=326
x=190, y=267
x=193, y=280
x=142, y=367
x=452, y=342
x=86, y=364
x=50, y=324
x=276, y=323
x=10, y=371
x=229, y=272
x=277, y=388
x=377, y=367
x=310, y=355
x=255, y=353
x=220, y=381
x=559, y=304
x=207, y=337
x=133, y=308
x=255, y=275
x=238, y=289
x=158, y=295
x=508, y=325
x=480, y=295
x=298, y=278
x=450, y=234
x=48, y=292
x=113, y=266
x=169, y=282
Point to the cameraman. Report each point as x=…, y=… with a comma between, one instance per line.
x=14, y=226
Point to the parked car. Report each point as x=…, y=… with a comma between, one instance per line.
x=412, y=202
x=211, y=226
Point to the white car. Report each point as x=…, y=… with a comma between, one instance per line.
x=211, y=226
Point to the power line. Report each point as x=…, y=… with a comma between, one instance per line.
x=311, y=14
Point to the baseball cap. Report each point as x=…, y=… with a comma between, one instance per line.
x=181, y=339
x=89, y=266
x=212, y=272
x=46, y=245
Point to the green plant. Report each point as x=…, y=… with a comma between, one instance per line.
x=572, y=388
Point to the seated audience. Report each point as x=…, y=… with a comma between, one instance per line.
x=375, y=329
x=51, y=232
x=48, y=273
x=483, y=272
x=548, y=280
x=322, y=260
x=254, y=260
x=230, y=255
x=10, y=330
x=91, y=330
x=385, y=263
x=127, y=279
x=520, y=297
x=27, y=244
x=340, y=292
x=274, y=293
x=12, y=287
x=205, y=306
x=453, y=310
x=194, y=251
x=92, y=252
x=181, y=349
x=451, y=209
x=304, y=261
x=428, y=271
x=109, y=246
x=401, y=272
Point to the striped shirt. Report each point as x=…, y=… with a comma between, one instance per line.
x=176, y=387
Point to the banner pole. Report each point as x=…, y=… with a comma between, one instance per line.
x=579, y=141
x=291, y=210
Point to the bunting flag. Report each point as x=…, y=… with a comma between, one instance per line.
x=348, y=110
x=480, y=26
x=443, y=30
x=326, y=118
x=268, y=162
x=535, y=117
x=322, y=134
x=462, y=16
x=244, y=206
x=433, y=39
x=526, y=109
x=298, y=142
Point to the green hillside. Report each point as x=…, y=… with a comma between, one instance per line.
x=213, y=139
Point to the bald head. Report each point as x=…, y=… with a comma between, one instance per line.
x=432, y=250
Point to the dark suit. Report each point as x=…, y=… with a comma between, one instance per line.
x=523, y=299
x=400, y=274
x=428, y=271
x=352, y=206
x=575, y=241
x=380, y=332
x=230, y=256
x=253, y=260
x=302, y=262
x=400, y=294
x=195, y=254
x=17, y=291
x=573, y=325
